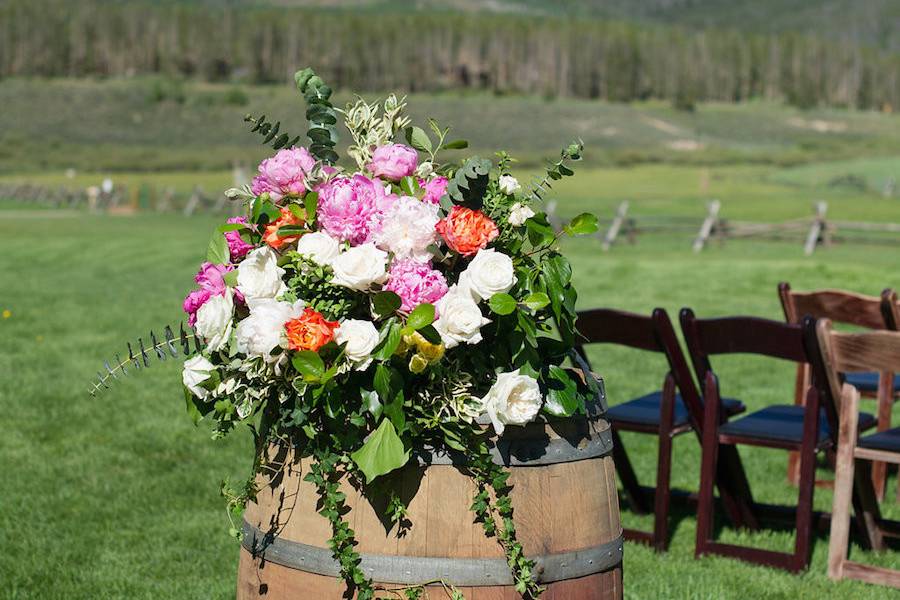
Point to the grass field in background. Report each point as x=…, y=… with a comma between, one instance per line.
x=155, y=124
x=116, y=496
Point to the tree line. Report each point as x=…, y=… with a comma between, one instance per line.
x=584, y=58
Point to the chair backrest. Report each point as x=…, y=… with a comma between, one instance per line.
x=837, y=305
x=890, y=309
x=652, y=333
x=854, y=352
x=740, y=335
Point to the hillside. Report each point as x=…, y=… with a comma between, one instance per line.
x=874, y=22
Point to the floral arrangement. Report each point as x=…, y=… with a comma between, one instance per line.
x=359, y=314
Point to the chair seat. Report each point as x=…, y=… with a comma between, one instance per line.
x=646, y=410
x=868, y=382
x=783, y=423
x=883, y=440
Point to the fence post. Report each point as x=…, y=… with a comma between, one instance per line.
x=616, y=225
x=710, y=224
x=816, y=230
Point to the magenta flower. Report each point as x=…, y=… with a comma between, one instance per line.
x=283, y=174
x=211, y=280
x=193, y=302
x=434, y=189
x=349, y=207
x=416, y=283
x=393, y=161
x=237, y=247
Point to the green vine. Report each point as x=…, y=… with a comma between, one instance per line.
x=325, y=476
x=321, y=115
x=490, y=476
x=270, y=132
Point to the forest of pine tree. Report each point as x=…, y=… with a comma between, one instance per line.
x=589, y=58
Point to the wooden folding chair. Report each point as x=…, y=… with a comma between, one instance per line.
x=843, y=354
x=805, y=429
x=850, y=308
x=665, y=413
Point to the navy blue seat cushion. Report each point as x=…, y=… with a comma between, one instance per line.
x=645, y=410
x=868, y=382
x=884, y=440
x=782, y=423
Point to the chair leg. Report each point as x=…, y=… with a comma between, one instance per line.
x=705, y=501
x=885, y=399
x=632, y=487
x=803, y=541
x=664, y=468
x=848, y=432
x=800, y=386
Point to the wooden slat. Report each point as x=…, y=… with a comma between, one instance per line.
x=867, y=351
x=871, y=574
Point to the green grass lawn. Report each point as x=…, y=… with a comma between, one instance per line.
x=116, y=497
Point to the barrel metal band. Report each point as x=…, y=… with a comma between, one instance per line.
x=531, y=452
x=412, y=570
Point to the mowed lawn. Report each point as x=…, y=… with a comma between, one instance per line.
x=117, y=496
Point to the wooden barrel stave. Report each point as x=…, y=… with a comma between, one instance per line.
x=559, y=508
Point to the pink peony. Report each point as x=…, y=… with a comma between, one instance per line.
x=193, y=302
x=283, y=174
x=393, y=161
x=236, y=244
x=211, y=282
x=416, y=283
x=350, y=206
x=434, y=189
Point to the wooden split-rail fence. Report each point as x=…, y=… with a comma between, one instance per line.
x=814, y=231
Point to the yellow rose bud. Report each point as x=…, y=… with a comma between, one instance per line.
x=432, y=352
x=417, y=363
x=403, y=347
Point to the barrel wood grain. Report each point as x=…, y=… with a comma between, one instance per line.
x=562, y=507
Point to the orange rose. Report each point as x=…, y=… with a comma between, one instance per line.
x=287, y=218
x=466, y=231
x=309, y=331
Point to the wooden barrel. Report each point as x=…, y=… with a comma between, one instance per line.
x=565, y=509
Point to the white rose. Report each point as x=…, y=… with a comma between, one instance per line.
x=509, y=185
x=519, y=213
x=196, y=371
x=319, y=246
x=359, y=339
x=214, y=320
x=263, y=331
x=360, y=267
x=259, y=275
x=514, y=400
x=489, y=273
x=460, y=319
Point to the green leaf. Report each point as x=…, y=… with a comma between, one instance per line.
x=563, y=399
x=390, y=339
x=217, y=252
x=502, y=304
x=540, y=233
x=536, y=301
x=311, y=203
x=389, y=386
x=289, y=230
x=418, y=139
x=371, y=402
x=583, y=224
x=456, y=145
x=385, y=303
x=231, y=227
x=297, y=210
x=430, y=334
x=309, y=364
x=410, y=186
x=381, y=453
x=421, y=316
x=230, y=278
